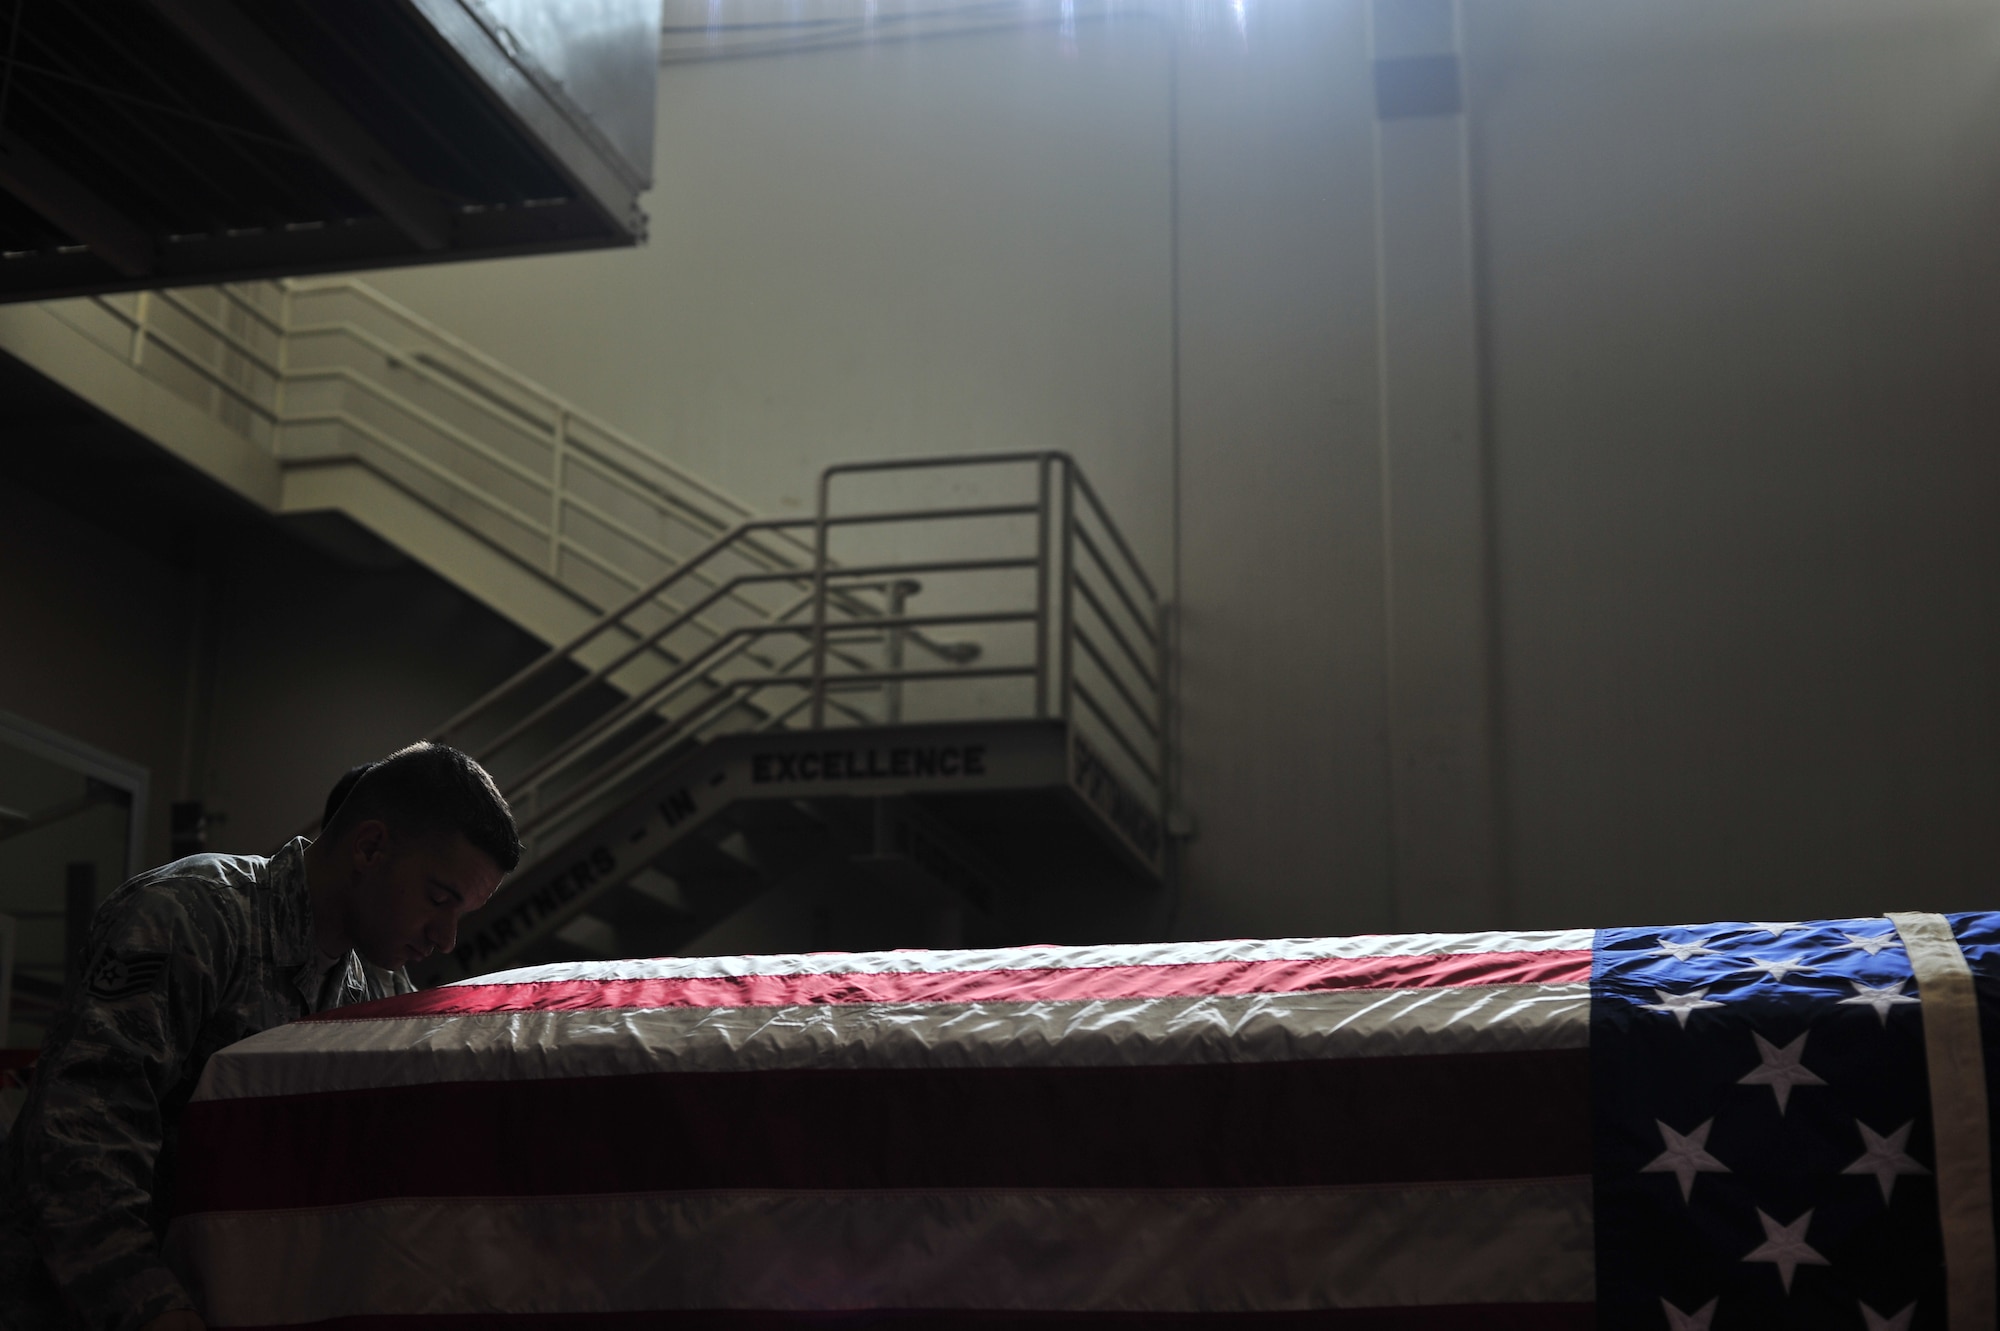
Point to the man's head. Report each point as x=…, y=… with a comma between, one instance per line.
x=421, y=838
x=341, y=790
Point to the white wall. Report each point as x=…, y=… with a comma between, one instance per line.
x=1742, y=320
x=944, y=247
x=1736, y=330
x=1283, y=688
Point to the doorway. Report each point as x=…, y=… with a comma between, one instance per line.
x=71, y=830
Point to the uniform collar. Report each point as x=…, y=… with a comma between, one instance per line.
x=291, y=905
x=344, y=983
x=295, y=948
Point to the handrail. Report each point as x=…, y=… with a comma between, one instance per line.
x=1118, y=538
x=1066, y=510
x=566, y=652
x=634, y=705
x=527, y=475
x=595, y=677
x=1131, y=654
x=296, y=286
x=1097, y=556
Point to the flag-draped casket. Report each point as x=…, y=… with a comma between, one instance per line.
x=1743, y=1125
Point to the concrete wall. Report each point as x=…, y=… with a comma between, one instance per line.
x=1730, y=640
x=319, y=667
x=96, y=641
x=250, y=677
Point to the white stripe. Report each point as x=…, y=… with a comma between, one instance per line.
x=1516, y=1242
x=1240, y=1028
x=1955, y=1063
x=1049, y=958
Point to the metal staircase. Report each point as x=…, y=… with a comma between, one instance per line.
x=929, y=713
x=835, y=746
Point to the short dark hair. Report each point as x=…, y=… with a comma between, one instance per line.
x=429, y=788
x=338, y=795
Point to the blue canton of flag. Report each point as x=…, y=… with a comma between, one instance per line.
x=1763, y=1152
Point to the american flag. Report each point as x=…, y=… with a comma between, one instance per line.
x=1712, y=1128
x=1765, y=1152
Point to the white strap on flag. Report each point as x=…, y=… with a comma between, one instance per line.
x=1958, y=1115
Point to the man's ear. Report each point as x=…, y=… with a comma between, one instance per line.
x=370, y=846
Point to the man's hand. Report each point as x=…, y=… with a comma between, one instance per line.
x=180, y=1319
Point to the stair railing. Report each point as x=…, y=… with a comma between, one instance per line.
x=1100, y=645
x=1097, y=656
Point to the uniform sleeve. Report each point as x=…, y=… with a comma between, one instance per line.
x=93, y=1125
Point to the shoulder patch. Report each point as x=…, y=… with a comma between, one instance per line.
x=114, y=978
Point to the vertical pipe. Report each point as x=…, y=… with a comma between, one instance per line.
x=1163, y=623
x=1042, y=587
x=1171, y=689
x=1066, y=632
x=557, y=456
x=899, y=592
x=819, y=603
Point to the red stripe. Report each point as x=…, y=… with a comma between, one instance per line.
x=1364, y=1121
x=1450, y=1317
x=1046, y=984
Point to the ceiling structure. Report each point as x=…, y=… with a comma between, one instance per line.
x=162, y=142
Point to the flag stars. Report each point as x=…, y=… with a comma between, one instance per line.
x=1681, y=1006
x=1694, y=1321
x=1777, y=969
x=1869, y=943
x=1683, y=951
x=1775, y=929
x=1875, y=1321
x=1685, y=1156
x=1885, y=1158
x=1785, y=1247
x=1780, y=1069
x=1880, y=997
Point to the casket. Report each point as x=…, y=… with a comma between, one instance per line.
x=1739, y=1125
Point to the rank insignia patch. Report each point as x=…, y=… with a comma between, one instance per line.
x=114, y=978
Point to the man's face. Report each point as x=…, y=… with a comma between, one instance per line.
x=410, y=892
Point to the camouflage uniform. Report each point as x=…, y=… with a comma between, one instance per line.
x=183, y=960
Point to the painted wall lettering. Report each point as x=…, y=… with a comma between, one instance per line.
x=587, y=869
x=869, y=764
x=678, y=807
x=1139, y=824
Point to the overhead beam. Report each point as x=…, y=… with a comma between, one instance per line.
x=74, y=207
x=289, y=96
